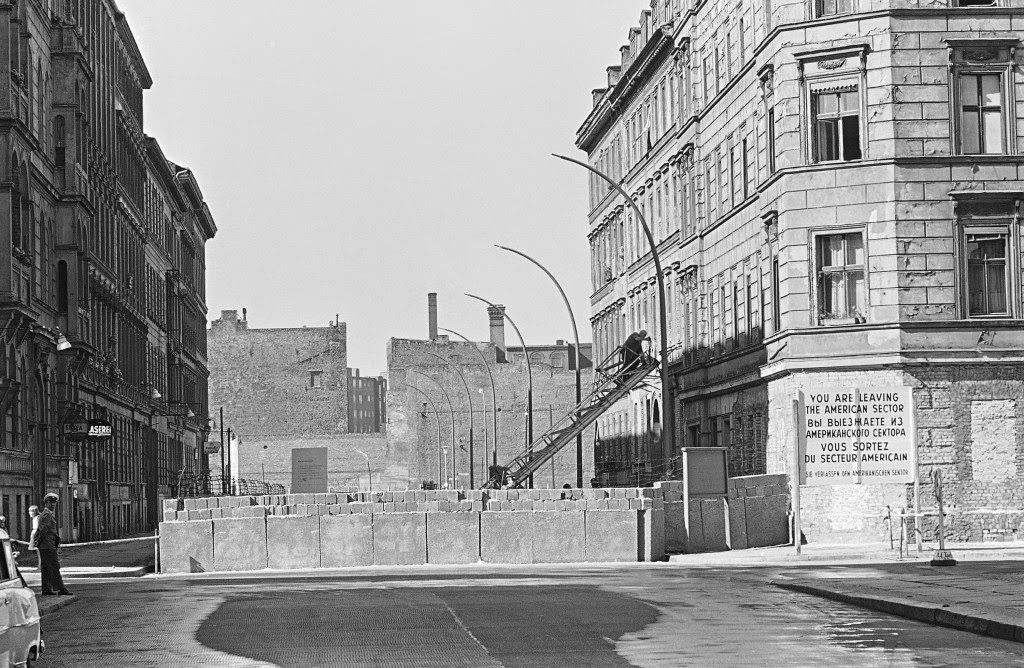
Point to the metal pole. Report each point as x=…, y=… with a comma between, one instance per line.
x=667, y=410
x=451, y=410
x=794, y=473
x=529, y=378
x=494, y=398
x=437, y=420
x=576, y=341
x=230, y=488
x=469, y=397
x=223, y=479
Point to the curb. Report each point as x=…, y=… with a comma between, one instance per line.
x=61, y=602
x=936, y=615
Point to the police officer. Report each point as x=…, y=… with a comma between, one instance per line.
x=47, y=540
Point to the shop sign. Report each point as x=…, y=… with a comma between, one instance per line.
x=100, y=429
x=211, y=447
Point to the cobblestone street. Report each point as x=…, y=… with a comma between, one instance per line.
x=583, y=616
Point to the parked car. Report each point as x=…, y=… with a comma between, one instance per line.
x=20, y=635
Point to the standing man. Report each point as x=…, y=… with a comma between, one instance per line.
x=47, y=540
x=633, y=350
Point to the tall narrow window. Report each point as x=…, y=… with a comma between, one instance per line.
x=62, y=286
x=836, y=125
x=746, y=169
x=841, y=285
x=987, y=275
x=770, y=144
x=981, y=113
x=59, y=141
x=776, y=296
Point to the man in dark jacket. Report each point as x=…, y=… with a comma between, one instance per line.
x=633, y=350
x=47, y=540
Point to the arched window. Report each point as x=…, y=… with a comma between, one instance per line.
x=16, y=194
x=656, y=416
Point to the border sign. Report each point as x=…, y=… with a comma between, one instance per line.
x=857, y=436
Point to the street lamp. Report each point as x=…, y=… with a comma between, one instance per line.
x=469, y=398
x=576, y=341
x=494, y=399
x=451, y=409
x=667, y=412
x=529, y=378
x=369, y=474
x=437, y=421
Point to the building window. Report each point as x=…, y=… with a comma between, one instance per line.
x=836, y=125
x=316, y=378
x=840, y=276
x=981, y=112
x=770, y=132
x=833, y=7
x=987, y=253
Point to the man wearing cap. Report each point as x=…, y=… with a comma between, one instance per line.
x=47, y=540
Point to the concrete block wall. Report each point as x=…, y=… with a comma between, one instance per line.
x=302, y=531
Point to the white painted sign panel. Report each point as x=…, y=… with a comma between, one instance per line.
x=857, y=435
x=309, y=470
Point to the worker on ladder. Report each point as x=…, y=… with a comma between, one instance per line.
x=632, y=353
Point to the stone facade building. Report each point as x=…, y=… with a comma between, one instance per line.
x=286, y=388
x=101, y=247
x=424, y=375
x=366, y=410
x=835, y=189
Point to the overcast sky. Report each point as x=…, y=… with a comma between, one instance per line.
x=358, y=154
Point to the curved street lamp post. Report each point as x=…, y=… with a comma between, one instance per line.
x=494, y=400
x=576, y=342
x=667, y=412
x=451, y=409
x=437, y=420
x=529, y=376
x=469, y=398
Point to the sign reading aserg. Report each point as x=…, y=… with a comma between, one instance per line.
x=857, y=435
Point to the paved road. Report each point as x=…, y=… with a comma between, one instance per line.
x=654, y=615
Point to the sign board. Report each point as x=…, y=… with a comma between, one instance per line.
x=857, y=435
x=100, y=429
x=309, y=470
x=211, y=447
x=75, y=431
x=705, y=472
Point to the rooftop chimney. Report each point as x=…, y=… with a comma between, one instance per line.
x=432, y=314
x=497, y=318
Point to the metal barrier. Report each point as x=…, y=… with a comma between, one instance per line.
x=215, y=485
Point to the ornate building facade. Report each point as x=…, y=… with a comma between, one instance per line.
x=101, y=247
x=835, y=191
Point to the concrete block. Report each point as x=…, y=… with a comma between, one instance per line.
x=293, y=542
x=505, y=538
x=453, y=538
x=713, y=517
x=695, y=537
x=399, y=539
x=654, y=534
x=239, y=544
x=174, y=504
x=675, y=527
x=190, y=504
x=558, y=537
x=737, y=524
x=612, y=535
x=346, y=540
x=186, y=547
x=767, y=521
x=170, y=515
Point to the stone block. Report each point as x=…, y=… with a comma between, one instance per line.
x=737, y=524
x=695, y=536
x=170, y=515
x=713, y=519
x=186, y=547
x=399, y=539
x=612, y=535
x=767, y=520
x=558, y=537
x=654, y=534
x=240, y=544
x=453, y=538
x=173, y=504
x=675, y=527
x=293, y=542
x=505, y=538
x=346, y=540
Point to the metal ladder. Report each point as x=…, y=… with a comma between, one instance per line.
x=611, y=383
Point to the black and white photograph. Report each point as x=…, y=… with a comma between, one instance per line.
x=534, y=334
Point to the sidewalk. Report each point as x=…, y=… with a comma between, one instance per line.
x=818, y=553
x=985, y=597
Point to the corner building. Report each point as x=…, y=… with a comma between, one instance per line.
x=835, y=188
x=101, y=243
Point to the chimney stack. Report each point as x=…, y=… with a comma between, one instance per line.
x=497, y=318
x=432, y=314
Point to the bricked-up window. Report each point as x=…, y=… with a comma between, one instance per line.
x=316, y=378
x=840, y=276
x=981, y=113
x=836, y=125
x=986, y=252
x=833, y=7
